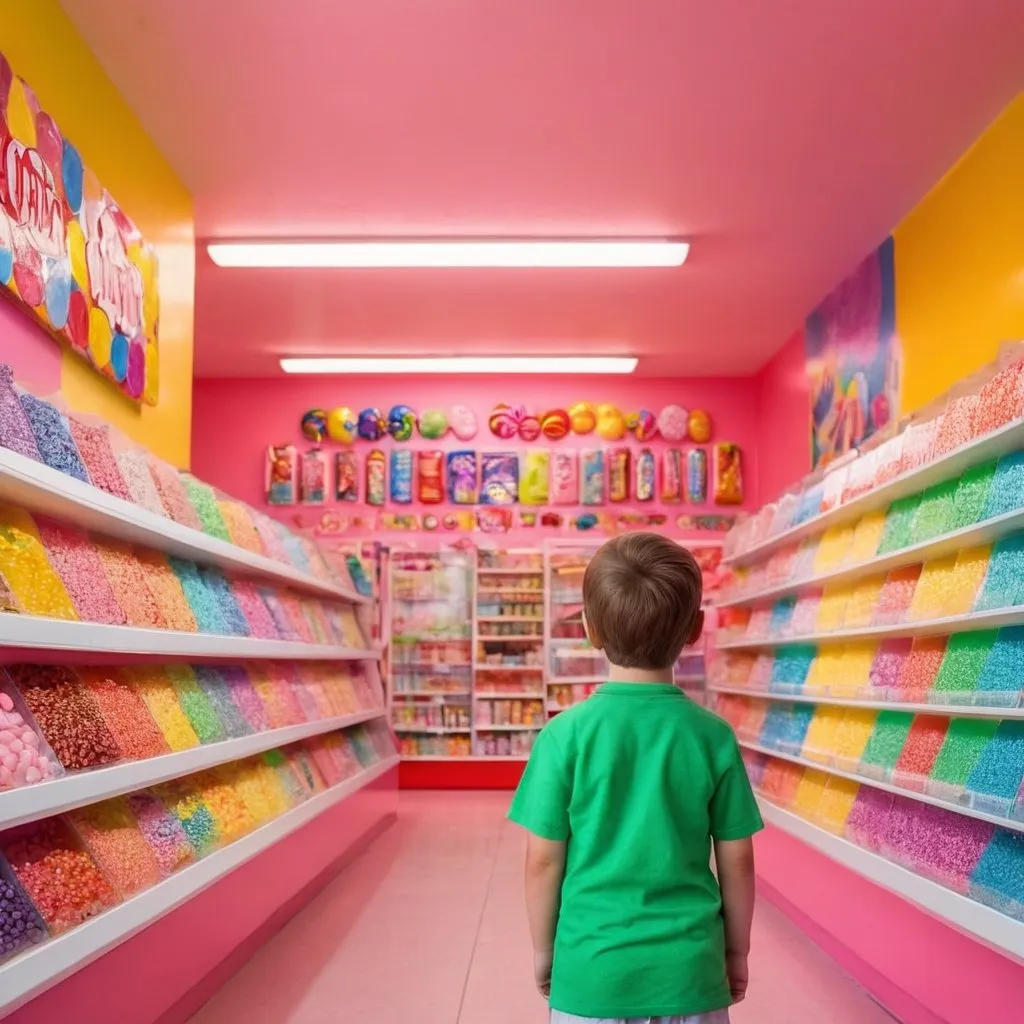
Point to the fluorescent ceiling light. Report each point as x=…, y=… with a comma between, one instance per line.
x=638, y=252
x=462, y=364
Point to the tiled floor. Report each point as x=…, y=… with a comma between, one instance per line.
x=428, y=927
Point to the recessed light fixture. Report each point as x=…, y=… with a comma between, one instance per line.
x=623, y=252
x=461, y=364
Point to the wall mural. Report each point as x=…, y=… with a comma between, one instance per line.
x=69, y=255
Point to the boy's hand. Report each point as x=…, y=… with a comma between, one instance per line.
x=542, y=973
x=736, y=969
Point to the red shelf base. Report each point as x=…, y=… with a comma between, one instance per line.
x=456, y=774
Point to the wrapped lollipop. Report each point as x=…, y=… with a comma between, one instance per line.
x=672, y=422
x=505, y=419
x=463, y=422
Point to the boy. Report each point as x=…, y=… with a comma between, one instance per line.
x=623, y=797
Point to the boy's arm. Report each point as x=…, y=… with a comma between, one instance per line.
x=545, y=868
x=734, y=861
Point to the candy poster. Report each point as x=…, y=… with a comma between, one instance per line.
x=69, y=255
x=853, y=358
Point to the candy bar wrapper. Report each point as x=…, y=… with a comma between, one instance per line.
x=282, y=474
x=646, y=475
x=696, y=476
x=430, y=477
x=565, y=478
x=533, y=488
x=592, y=477
x=313, y=477
x=499, y=478
x=346, y=476
x=376, y=478
x=462, y=488
x=672, y=476
x=728, y=474
x=618, y=474
x=401, y=476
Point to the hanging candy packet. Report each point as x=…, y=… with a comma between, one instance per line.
x=462, y=488
x=534, y=486
x=313, y=477
x=672, y=476
x=565, y=478
x=696, y=476
x=728, y=474
x=401, y=476
x=346, y=480
x=592, y=472
x=430, y=477
x=499, y=478
x=281, y=474
x=376, y=478
x=618, y=474
x=645, y=475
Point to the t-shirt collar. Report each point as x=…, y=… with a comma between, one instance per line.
x=614, y=689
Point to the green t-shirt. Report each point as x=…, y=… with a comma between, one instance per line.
x=638, y=780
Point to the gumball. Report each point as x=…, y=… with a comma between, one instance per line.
x=341, y=425
x=401, y=420
x=555, y=424
x=700, y=426
x=433, y=424
x=529, y=428
x=672, y=423
x=463, y=422
x=581, y=418
x=611, y=424
x=642, y=424
x=314, y=424
x=372, y=426
x=504, y=421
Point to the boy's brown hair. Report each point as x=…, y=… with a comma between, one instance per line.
x=641, y=599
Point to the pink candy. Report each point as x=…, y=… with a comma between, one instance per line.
x=21, y=761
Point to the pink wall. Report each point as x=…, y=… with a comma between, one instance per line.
x=33, y=354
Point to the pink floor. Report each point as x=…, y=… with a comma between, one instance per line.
x=428, y=928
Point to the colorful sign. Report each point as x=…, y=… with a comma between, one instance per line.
x=68, y=253
x=853, y=358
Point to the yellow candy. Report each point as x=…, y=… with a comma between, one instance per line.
x=27, y=570
x=226, y=806
x=241, y=528
x=971, y=566
x=834, y=547
x=863, y=599
x=821, y=733
x=832, y=609
x=824, y=670
x=853, y=669
x=853, y=736
x=867, y=535
x=159, y=694
x=809, y=793
x=931, y=595
x=836, y=803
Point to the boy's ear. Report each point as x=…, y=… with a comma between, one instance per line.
x=595, y=640
x=698, y=628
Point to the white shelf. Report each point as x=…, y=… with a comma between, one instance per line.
x=1000, y=442
x=942, y=710
x=509, y=728
x=434, y=666
x=437, y=694
x=34, y=486
x=484, y=571
x=30, y=633
x=987, y=532
x=865, y=780
x=483, y=666
x=431, y=730
x=968, y=623
x=492, y=695
x=577, y=652
x=48, y=963
x=577, y=680
x=510, y=639
x=30, y=803
x=510, y=618
x=500, y=591
x=996, y=930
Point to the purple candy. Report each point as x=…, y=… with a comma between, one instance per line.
x=20, y=923
x=15, y=429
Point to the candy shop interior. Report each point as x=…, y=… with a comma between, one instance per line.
x=303, y=458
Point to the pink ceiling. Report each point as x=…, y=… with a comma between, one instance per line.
x=784, y=139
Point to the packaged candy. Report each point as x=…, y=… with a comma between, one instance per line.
x=499, y=478
x=728, y=474
x=696, y=476
x=346, y=480
x=592, y=471
x=376, y=477
x=494, y=520
x=282, y=470
x=565, y=478
x=645, y=475
x=401, y=476
x=430, y=477
x=462, y=488
x=534, y=488
x=672, y=476
x=618, y=474
x=313, y=477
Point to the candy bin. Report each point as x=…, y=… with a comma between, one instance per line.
x=998, y=879
x=836, y=803
x=240, y=526
x=31, y=581
x=217, y=585
x=167, y=591
x=96, y=449
x=920, y=751
x=972, y=495
x=125, y=714
x=182, y=798
x=276, y=693
x=820, y=741
x=25, y=756
x=306, y=771
x=227, y=807
x=965, y=740
x=249, y=780
x=172, y=493
x=159, y=694
x=204, y=501
x=885, y=744
x=245, y=697
x=134, y=466
x=15, y=430
x=868, y=818
x=111, y=834
x=162, y=831
x=255, y=610
x=53, y=437
x=809, y=793
x=997, y=775
x=195, y=703
x=218, y=692
x=57, y=873
x=124, y=573
x=203, y=603
x=1004, y=581
x=1007, y=491
x=20, y=923
x=294, y=789
x=781, y=781
x=966, y=656
x=1000, y=680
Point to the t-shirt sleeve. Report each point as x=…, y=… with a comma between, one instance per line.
x=733, y=812
x=541, y=802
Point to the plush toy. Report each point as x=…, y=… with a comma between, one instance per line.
x=371, y=425
x=401, y=420
x=314, y=424
x=341, y=425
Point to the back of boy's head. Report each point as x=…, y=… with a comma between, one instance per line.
x=641, y=599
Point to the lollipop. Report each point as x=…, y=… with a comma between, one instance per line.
x=401, y=420
x=463, y=422
x=529, y=428
x=504, y=420
x=555, y=424
x=672, y=423
x=341, y=425
x=314, y=424
x=643, y=424
x=372, y=426
x=611, y=424
x=700, y=426
x=581, y=418
x=433, y=424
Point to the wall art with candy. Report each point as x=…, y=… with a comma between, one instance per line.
x=69, y=255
